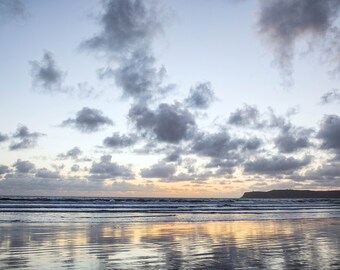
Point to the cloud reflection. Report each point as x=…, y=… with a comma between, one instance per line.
x=199, y=245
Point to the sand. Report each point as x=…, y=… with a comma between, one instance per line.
x=271, y=244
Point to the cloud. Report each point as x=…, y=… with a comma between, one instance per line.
x=126, y=25
x=11, y=9
x=119, y=141
x=187, y=177
x=250, y=117
x=75, y=168
x=201, y=96
x=139, y=78
x=58, y=167
x=227, y=163
x=28, y=180
x=46, y=74
x=3, y=137
x=45, y=173
x=292, y=139
x=24, y=166
x=221, y=145
x=213, y=145
x=332, y=96
x=251, y=144
x=276, y=165
x=225, y=152
x=28, y=184
x=160, y=170
x=128, y=28
x=282, y=23
x=123, y=186
x=88, y=120
x=167, y=173
x=49, y=78
x=168, y=123
x=24, y=139
x=73, y=153
x=4, y=169
x=105, y=169
x=174, y=156
x=329, y=133
x=324, y=172
x=246, y=116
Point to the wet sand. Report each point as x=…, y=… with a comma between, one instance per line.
x=261, y=244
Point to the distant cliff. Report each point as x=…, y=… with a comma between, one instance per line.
x=291, y=194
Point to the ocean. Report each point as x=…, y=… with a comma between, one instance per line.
x=98, y=209
x=168, y=233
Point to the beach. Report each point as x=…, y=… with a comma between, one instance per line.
x=263, y=244
x=135, y=233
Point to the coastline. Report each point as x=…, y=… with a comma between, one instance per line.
x=292, y=194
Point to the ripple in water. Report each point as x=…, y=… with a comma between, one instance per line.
x=251, y=244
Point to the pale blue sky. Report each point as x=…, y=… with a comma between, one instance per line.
x=201, y=41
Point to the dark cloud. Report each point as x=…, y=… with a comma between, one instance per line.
x=49, y=78
x=75, y=168
x=24, y=166
x=11, y=9
x=140, y=79
x=225, y=152
x=221, y=145
x=3, y=137
x=227, y=163
x=27, y=180
x=119, y=141
x=167, y=173
x=276, y=165
x=201, y=96
x=332, y=96
x=282, y=23
x=276, y=121
x=46, y=74
x=323, y=173
x=168, y=123
x=213, y=145
x=126, y=25
x=329, y=133
x=4, y=169
x=292, y=139
x=24, y=139
x=45, y=173
x=88, y=120
x=251, y=144
x=173, y=156
x=73, y=153
x=160, y=170
x=250, y=117
x=105, y=169
x=246, y=116
x=28, y=184
x=128, y=28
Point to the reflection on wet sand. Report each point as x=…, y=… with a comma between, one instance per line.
x=289, y=244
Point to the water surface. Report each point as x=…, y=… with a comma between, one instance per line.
x=266, y=244
x=134, y=233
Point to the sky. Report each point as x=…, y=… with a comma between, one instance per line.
x=168, y=98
